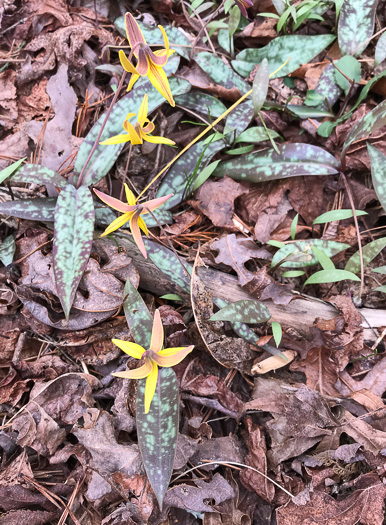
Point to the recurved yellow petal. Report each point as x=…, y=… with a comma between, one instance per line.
x=151, y=383
x=117, y=139
x=130, y=197
x=158, y=78
x=126, y=64
x=156, y=140
x=166, y=40
x=142, y=113
x=117, y=223
x=142, y=225
x=157, y=334
x=131, y=349
x=138, y=373
x=133, y=135
x=133, y=80
x=172, y=359
x=134, y=227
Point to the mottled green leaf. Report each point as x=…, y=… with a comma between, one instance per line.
x=105, y=156
x=305, y=112
x=327, y=87
x=201, y=103
x=73, y=234
x=245, y=311
x=299, y=254
x=234, y=20
x=326, y=128
x=256, y=134
x=158, y=430
x=369, y=252
x=350, y=67
x=205, y=174
x=300, y=49
x=260, y=86
x=277, y=332
x=381, y=269
x=356, y=25
x=294, y=160
x=225, y=42
x=220, y=73
x=313, y=98
x=378, y=173
x=381, y=289
x=7, y=172
x=239, y=151
x=177, y=178
x=31, y=209
x=7, y=250
x=137, y=315
x=240, y=118
x=153, y=36
x=172, y=297
x=371, y=122
x=331, y=276
x=380, y=50
x=34, y=173
x=337, y=215
x=279, y=5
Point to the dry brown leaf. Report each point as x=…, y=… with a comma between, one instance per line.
x=28, y=517
x=8, y=104
x=371, y=439
x=273, y=363
x=374, y=381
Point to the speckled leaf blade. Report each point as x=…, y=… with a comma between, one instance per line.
x=220, y=73
x=137, y=315
x=240, y=118
x=153, y=36
x=201, y=103
x=300, y=252
x=369, y=252
x=177, y=177
x=39, y=175
x=300, y=49
x=7, y=250
x=378, y=173
x=331, y=276
x=380, y=50
x=356, y=25
x=73, y=233
x=260, y=85
x=256, y=134
x=30, y=209
x=371, y=122
x=293, y=160
x=244, y=311
x=105, y=156
x=158, y=430
x=327, y=87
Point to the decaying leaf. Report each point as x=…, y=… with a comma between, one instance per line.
x=273, y=363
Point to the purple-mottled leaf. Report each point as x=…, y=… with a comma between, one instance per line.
x=158, y=430
x=350, y=67
x=293, y=160
x=137, y=315
x=7, y=250
x=73, y=233
x=39, y=175
x=260, y=86
x=299, y=49
x=201, y=103
x=369, y=252
x=380, y=50
x=221, y=73
x=30, y=209
x=251, y=312
x=240, y=118
x=327, y=87
x=371, y=122
x=378, y=173
x=356, y=25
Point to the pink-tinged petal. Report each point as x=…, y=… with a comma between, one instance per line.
x=151, y=383
x=137, y=373
x=133, y=80
x=157, y=60
x=117, y=223
x=134, y=137
x=131, y=349
x=149, y=127
x=157, y=140
x=142, y=225
x=172, y=359
x=117, y=139
x=142, y=113
x=126, y=64
x=143, y=62
x=158, y=78
x=133, y=32
x=130, y=197
x=137, y=234
x=157, y=334
x=114, y=203
x=154, y=203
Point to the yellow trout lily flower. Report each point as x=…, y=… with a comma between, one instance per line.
x=131, y=212
x=139, y=132
x=153, y=358
x=149, y=63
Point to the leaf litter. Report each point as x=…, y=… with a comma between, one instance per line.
x=315, y=423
